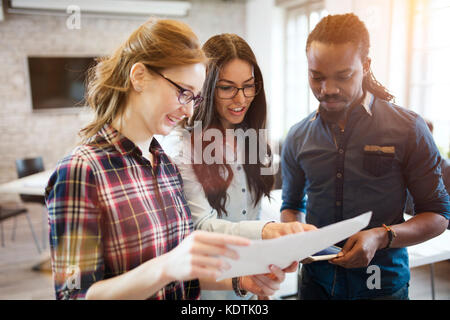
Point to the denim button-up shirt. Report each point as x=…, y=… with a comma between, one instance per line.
x=383, y=150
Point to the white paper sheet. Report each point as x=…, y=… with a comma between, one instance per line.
x=256, y=258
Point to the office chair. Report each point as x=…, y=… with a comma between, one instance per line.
x=6, y=213
x=26, y=167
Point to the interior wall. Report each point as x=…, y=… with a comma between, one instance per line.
x=53, y=135
x=265, y=35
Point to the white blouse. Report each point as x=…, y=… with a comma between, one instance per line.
x=242, y=215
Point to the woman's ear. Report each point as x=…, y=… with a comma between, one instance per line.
x=137, y=75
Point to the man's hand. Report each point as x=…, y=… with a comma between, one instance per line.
x=359, y=249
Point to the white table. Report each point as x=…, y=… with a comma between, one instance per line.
x=31, y=185
x=425, y=253
x=430, y=252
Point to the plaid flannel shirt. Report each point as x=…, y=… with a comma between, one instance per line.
x=110, y=211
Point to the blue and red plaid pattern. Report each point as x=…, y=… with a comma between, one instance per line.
x=110, y=211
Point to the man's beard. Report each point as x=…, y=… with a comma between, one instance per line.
x=333, y=116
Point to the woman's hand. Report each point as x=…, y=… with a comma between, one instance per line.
x=266, y=284
x=274, y=229
x=200, y=255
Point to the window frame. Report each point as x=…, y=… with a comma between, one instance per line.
x=303, y=106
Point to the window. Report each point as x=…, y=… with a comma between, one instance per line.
x=300, y=101
x=429, y=83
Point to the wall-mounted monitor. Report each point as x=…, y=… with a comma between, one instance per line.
x=58, y=83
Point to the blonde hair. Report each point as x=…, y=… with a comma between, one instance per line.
x=158, y=44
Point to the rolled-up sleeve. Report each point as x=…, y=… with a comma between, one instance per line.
x=75, y=228
x=423, y=172
x=293, y=177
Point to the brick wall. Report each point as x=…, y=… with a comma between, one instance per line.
x=52, y=135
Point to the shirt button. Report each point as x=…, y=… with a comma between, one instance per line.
x=243, y=190
x=339, y=175
x=341, y=151
x=239, y=167
x=244, y=212
x=338, y=203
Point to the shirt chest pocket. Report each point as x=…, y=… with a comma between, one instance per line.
x=378, y=160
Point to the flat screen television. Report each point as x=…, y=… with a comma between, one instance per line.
x=58, y=82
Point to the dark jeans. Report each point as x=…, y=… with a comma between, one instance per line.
x=311, y=290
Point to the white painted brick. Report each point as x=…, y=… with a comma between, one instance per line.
x=26, y=134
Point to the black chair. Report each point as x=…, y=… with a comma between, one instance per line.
x=26, y=167
x=13, y=212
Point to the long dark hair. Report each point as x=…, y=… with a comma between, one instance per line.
x=343, y=28
x=216, y=178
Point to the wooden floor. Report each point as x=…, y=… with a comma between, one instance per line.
x=18, y=281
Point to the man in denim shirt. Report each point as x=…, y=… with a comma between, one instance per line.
x=359, y=152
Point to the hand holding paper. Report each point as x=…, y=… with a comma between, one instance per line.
x=256, y=258
x=325, y=254
x=359, y=250
x=265, y=284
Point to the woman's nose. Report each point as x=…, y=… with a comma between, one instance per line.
x=188, y=109
x=240, y=97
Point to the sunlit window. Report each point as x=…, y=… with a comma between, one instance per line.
x=300, y=101
x=429, y=85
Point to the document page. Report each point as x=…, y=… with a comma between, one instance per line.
x=256, y=258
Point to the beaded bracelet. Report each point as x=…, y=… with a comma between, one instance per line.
x=236, y=287
x=391, y=235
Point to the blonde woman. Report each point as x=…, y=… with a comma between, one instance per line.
x=120, y=227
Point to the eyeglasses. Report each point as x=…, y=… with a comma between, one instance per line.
x=229, y=92
x=185, y=96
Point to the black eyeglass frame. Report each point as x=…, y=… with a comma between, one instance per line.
x=257, y=90
x=192, y=97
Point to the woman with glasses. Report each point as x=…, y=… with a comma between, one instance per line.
x=120, y=227
x=223, y=186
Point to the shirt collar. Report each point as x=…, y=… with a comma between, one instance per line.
x=116, y=139
x=123, y=144
x=366, y=104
